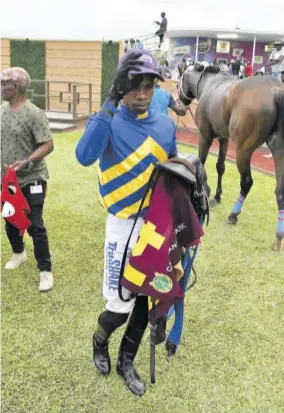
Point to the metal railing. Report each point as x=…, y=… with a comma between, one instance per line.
x=70, y=97
x=150, y=41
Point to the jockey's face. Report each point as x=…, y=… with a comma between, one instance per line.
x=139, y=98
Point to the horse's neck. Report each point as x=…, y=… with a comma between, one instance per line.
x=204, y=83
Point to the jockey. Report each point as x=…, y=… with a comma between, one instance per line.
x=127, y=142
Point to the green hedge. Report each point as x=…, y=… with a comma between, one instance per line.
x=30, y=55
x=110, y=56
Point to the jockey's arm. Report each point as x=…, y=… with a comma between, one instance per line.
x=180, y=110
x=96, y=136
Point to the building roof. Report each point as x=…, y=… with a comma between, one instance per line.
x=224, y=34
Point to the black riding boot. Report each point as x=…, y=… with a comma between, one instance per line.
x=130, y=344
x=107, y=323
x=101, y=355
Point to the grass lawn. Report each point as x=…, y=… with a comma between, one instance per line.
x=232, y=352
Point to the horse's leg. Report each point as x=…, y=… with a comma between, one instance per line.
x=243, y=164
x=205, y=142
x=277, y=148
x=220, y=166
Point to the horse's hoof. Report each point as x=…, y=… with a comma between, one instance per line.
x=213, y=203
x=171, y=349
x=232, y=219
x=277, y=245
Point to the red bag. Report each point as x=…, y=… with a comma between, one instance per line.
x=14, y=206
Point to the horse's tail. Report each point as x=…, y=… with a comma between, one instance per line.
x=279, y=101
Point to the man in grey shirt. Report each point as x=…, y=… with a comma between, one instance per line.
x=163, y=28
x=25, y=141
x=276, y=60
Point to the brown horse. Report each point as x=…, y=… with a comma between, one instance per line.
x=250, y=112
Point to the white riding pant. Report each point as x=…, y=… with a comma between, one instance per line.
x=117, y=233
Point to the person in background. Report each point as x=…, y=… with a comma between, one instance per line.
x=139, y=44
x=214, y=63
x=165, y=71
x=276, y=60
x=243, y=59
x=242, y=72
x=126, y=46
x=224, y=68
x=163, y=28
x=162, y=100
x=183, y=63
x=132, y=44
x=249, y=70
x=25, y=141
x=243, y=64
x=236, y=68
x=230, y=65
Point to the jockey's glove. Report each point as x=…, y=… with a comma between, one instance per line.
x=122, y=81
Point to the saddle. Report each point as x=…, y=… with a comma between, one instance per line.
x=189, y=168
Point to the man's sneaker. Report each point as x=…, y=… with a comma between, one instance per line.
x=16, y=261
x=46, y=281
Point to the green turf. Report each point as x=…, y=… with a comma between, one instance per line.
x=231, y=356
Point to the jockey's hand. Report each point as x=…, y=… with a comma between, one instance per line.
x=122, y=82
